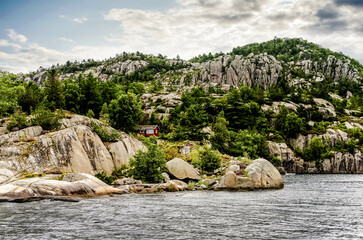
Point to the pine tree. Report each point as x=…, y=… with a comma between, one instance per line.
x=53, y=91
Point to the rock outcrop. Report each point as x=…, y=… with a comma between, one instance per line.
x=261, y=174
x=73, y=149
x=180, y=169
x=72, y=184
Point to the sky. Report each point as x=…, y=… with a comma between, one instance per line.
x=36, y=33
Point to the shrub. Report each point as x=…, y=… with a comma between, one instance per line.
x=45, y=118
x=316, y=151
x=17, y=120
x=105, y=178
x=208, y=159
x=121, y=172
x=276, y=161
x=148, y=166
x=248, y=142
x=90, y=114
x=106, y=135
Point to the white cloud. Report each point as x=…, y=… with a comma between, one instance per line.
x=66, y=39
x=80, y=20
x=201, y=26
x=5, y=43
x=16, y=37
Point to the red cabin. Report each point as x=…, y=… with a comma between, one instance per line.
x=149, y=130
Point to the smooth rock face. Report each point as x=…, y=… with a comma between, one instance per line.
x=264, y=174
x=76, y=148
x=123, y=150
x=261, y=174
x=180, y=169
x=73, y=184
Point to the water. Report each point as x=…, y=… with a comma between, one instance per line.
x=309, y=207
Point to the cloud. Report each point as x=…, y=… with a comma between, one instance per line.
x=16, y=37
x=354, y=3
x=66, y=39
x=80, y=20
x=195, y=27
x=5, y=43
x=328, y=12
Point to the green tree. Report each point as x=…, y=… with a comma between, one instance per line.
x=91, y=94
x=72, y=94
x=148, y=166
x=209, y=160
x=53, y=90
x=125, y=112
x=316, y=151
x=248, y=142
x=10, y=91
x=17, y=120
x=104, y=114
x=289, y=123
x=221, y=138
x=31, y=98
x=45, y=118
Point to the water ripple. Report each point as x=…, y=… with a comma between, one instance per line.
x=309, y=207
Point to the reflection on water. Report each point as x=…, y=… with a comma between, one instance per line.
x=309, y=207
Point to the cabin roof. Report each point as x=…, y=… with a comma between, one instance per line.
x=146, y=127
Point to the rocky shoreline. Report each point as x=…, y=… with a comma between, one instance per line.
x=72, y=187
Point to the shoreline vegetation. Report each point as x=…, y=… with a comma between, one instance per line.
x=291, y=102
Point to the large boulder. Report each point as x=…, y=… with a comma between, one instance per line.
x=261, y=174
x=264, y=174
x=180, y=169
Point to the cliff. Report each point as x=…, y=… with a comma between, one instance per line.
x=73, y=148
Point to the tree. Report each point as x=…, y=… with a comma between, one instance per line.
x=148, y=166
x=125, y=112
x=221, y=137
x=10, y=91
x=248, y=142
x=289, y=123
x=91, y=94
x=45, y=118
x=53, y=91
x=72, y=94
x=209, y=160
x=32, y=97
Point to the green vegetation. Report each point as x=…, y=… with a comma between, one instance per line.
x=239, y=122
x=105, y=178
x=106, y=135
x=207, y=159
x=18, y=120
x=316, y=151
x=45, y=118
x=125, y=112
x=148, y=166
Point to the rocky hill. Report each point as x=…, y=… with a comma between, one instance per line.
x=288, y=100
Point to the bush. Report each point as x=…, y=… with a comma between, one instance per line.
x=105, y=178
x=17, y=120
x=276, y=161
x=148, y=166
x=106, y=135
x=45, y=118
x=248, y=142
x=289, y=123
x=207, y=159
x=90, y=114
x=316, y=151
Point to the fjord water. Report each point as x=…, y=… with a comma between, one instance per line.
x=309, y=207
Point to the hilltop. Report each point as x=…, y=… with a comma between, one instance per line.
x=290, y=101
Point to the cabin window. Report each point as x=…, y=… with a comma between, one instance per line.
x=149, y=131
x=156, y=131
